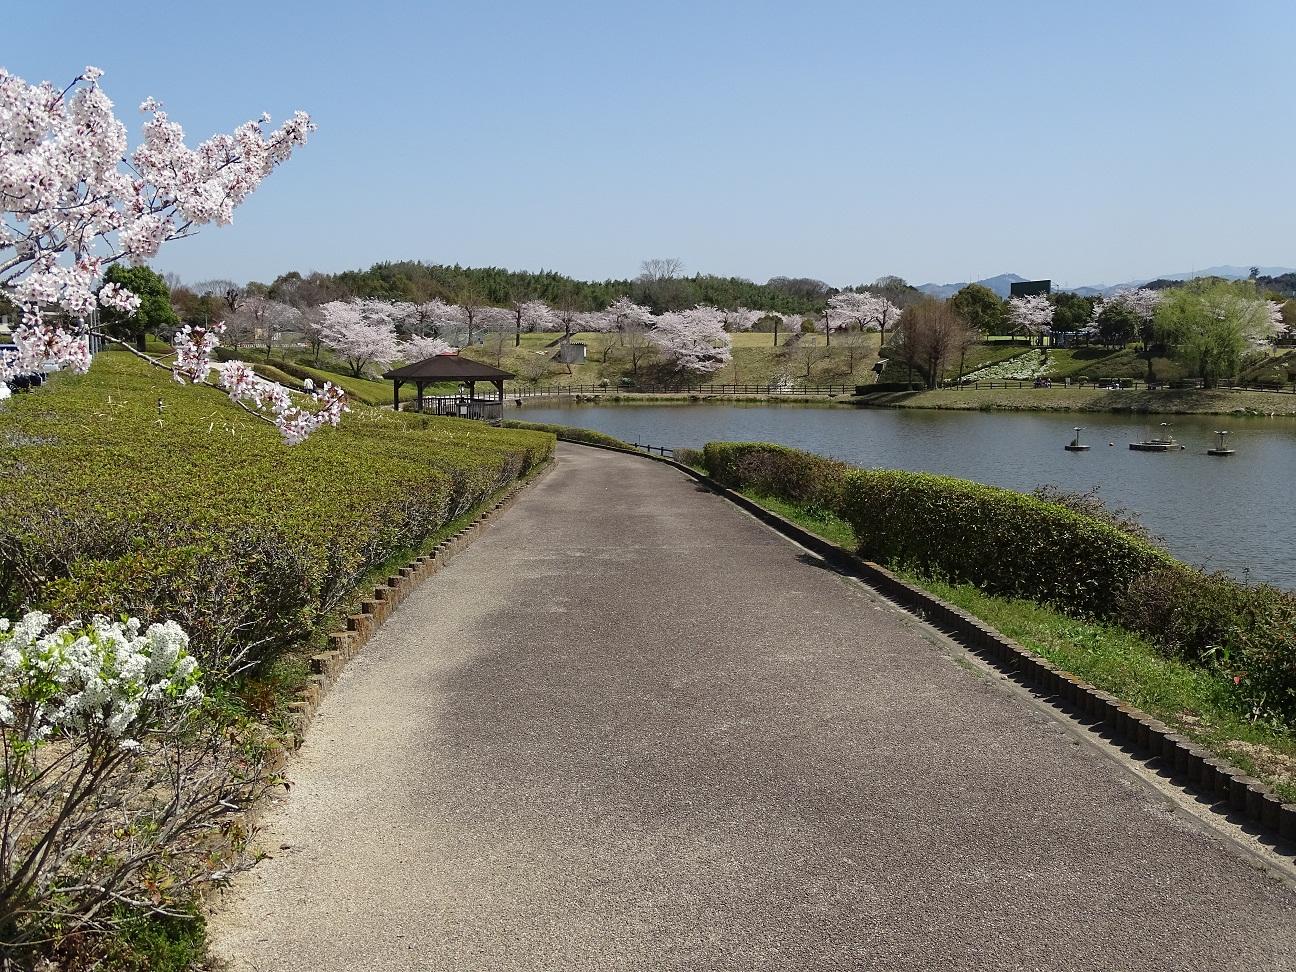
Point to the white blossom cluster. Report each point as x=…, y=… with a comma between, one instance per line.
x=68, y=195
x=1032, y=314
x=65, y=188
x=860, y=309
x=41, y=346
x=103, y=677
x=693, y=340
x=1024, y=367
x=194, y=347
x=1276, y=319
x=295, y=424
x=71, y=202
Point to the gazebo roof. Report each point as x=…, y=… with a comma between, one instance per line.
x=448, y=367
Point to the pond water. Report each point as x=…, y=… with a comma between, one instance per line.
x=1234, y=514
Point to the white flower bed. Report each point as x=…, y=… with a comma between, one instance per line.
x=1024, y=367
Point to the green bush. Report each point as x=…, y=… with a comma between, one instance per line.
x=1248, y=631
x=1007, y=543
x=198, y=512
x=691, y=457
x=569, y=433
x=774, y=470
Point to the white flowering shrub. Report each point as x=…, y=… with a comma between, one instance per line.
x=1024, y=367
x=118, y=788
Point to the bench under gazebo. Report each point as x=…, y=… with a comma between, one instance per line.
x=451, y=367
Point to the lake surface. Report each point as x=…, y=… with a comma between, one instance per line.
x=1236, y=514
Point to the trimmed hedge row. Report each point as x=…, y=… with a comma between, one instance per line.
x=195, y=511
x=774, y=470
x=1014, y=545
x=1007, y=543
x=569, y=433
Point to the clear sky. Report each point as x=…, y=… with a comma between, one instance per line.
x=940, y=140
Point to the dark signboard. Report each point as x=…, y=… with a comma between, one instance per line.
x=1029, y=288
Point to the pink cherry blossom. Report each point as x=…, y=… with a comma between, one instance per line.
x=72, y=202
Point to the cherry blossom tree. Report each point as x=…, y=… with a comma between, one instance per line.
x=740, y=319
x=864, y=310
x=361, y=332
x=421, y=347
x=467, y=312
x=791, y=324
x=632, y=323
x=1032, y=314
x=264, y=318
x=404, y=316
x=72, y=203
x=1142, y=302
x=311, y=326
x=624, y=315
x=693, y=341
x=530, y=315
x=496, y=323
x=569, y=320
x=434, y=317
x=1277, y=320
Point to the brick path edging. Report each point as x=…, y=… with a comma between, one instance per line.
x=1189, y=765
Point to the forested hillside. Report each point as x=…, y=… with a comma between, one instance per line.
x=661, y=287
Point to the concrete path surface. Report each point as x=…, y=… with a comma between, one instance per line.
x=632, y=728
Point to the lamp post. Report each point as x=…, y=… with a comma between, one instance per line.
x=1075, y=445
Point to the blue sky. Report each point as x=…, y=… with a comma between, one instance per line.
x=940, y=141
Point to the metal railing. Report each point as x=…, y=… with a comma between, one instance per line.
x=664, y=451
x=482, y=409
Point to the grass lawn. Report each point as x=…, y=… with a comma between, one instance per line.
x=369, y=391
x=1061, y=399
x=1192, y=699
x=756, y=361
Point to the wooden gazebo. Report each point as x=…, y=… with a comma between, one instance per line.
x=446, y=368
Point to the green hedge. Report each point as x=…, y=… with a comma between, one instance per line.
x=198, y=512
x=1006, y=543
x=774, y=470
x=569, y=433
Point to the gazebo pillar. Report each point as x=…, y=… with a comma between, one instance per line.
x=396, y=383
x=418, y=390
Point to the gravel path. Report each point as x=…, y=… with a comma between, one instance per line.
x=632, y=728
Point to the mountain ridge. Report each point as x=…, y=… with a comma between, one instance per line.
x=1001, y=283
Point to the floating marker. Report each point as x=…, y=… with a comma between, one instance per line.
x=1220, y=449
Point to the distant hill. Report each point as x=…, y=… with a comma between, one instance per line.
x=1001, y=284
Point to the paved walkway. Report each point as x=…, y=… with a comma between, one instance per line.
x=632, y=728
